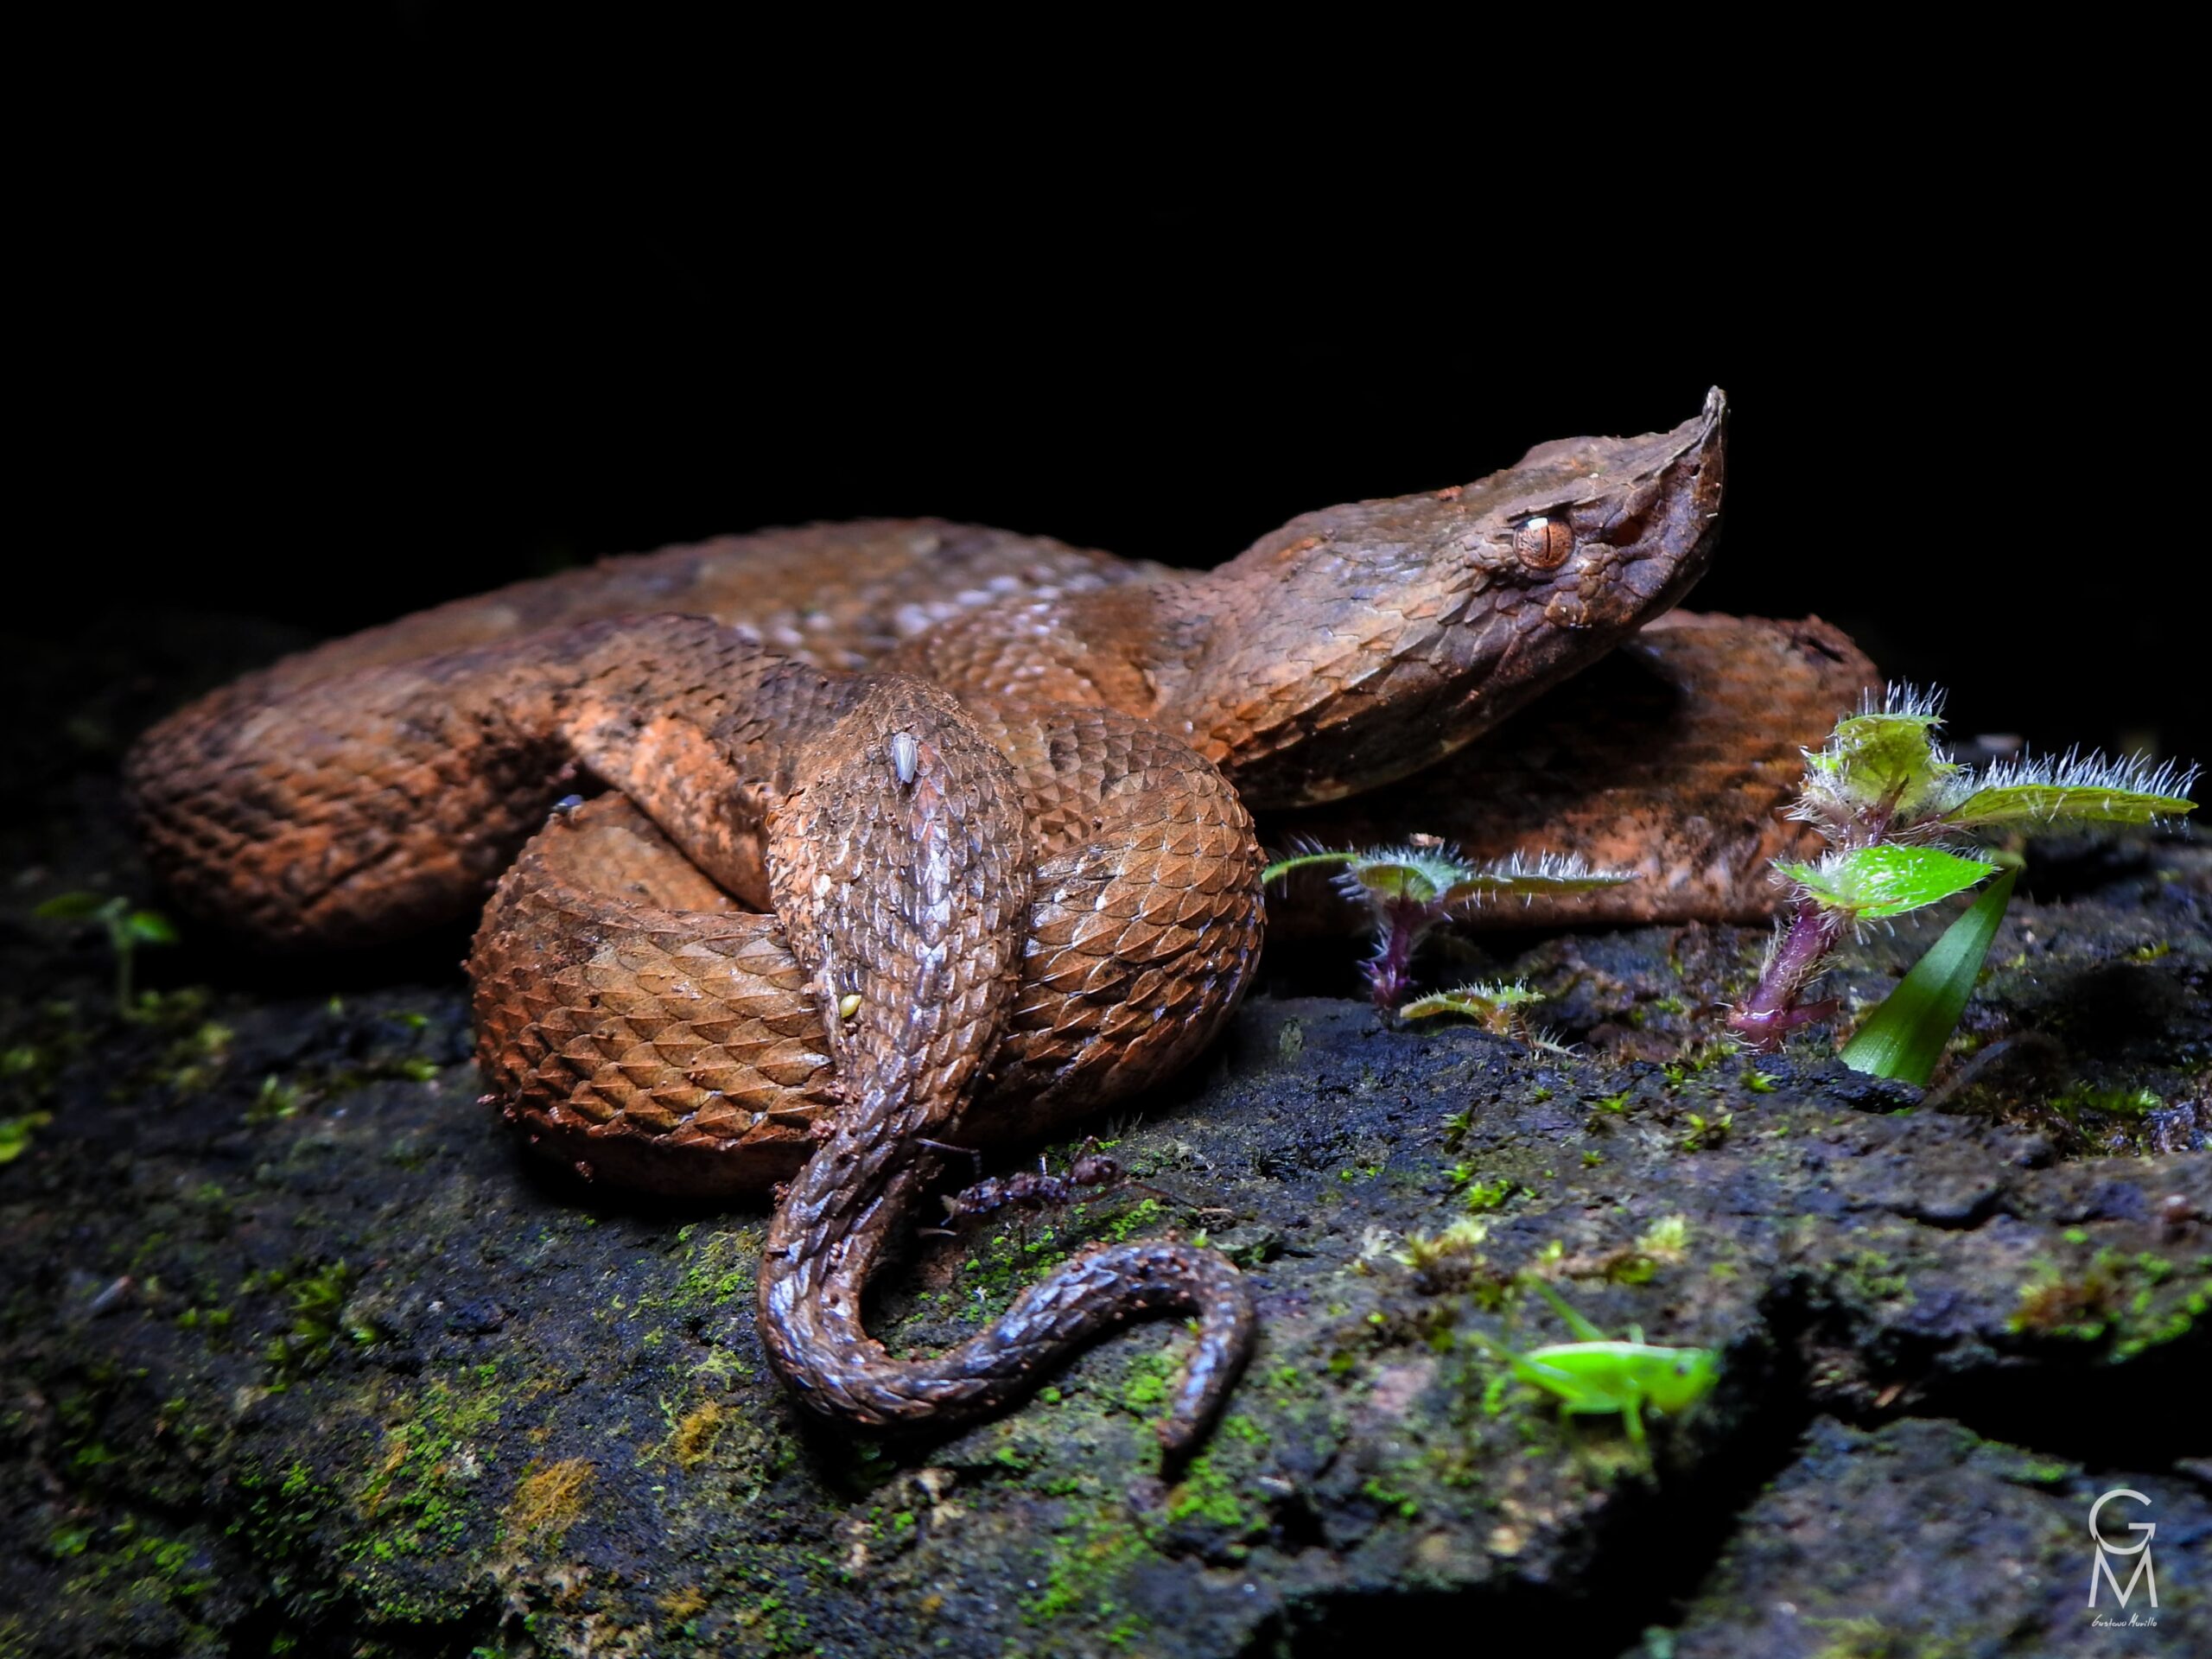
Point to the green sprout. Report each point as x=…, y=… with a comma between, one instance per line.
x=1597, y=1376
x=1410, y=890
x=127, y=929
x=1499, y=1009
x=1899, y=815
x=16, y=1133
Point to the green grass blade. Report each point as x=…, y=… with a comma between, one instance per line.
x=1904, y=1037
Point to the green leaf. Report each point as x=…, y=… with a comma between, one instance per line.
x=151, y=927
x=1440, y=877
x=1490, y=1005
x=1870, y=882
x=1283, y=866
x=1534, y=881
x=1384, y=877
x=1376, y=873
x=2046, y=806
x=72, y=907
x=1884, y=754
x=1904, y=1037
x=1893, y=744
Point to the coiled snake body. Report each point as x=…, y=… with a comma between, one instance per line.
x=916, y=834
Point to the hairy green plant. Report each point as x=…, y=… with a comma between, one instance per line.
x=1410, y=890
x=128, y=928
x=1500, y=1009
x=1902, y=818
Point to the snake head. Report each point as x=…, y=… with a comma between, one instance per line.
x=1605, y=533
x=1381, y=636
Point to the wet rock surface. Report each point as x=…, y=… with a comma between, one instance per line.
x=300, y=1352
x=1988, y=1553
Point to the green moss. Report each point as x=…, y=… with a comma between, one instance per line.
x=1148, y=1385
x=771, y=1617
x=1861, y=1639
x=1664, y=1243
x=132, y=1558
x=276, y=1101
x=2134, y=1301
x=720, y=1273
x=317, y=1296
x=1705, y=1132
x=2031, y=1472
x=1481, y=1197
x=1091, y=1553
x=2109, y=1103
x=1379, y=1490
x=1206, y=1494
x=420, y=1496
x=1872, y=1276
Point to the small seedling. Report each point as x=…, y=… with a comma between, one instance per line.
x=1500, y=1010
x=1597, y=1376
x=16, y=1133
x=1410, y=890
x=1901, y=816
x=128, y=928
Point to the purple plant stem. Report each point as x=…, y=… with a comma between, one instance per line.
x=1772, y=1008
x=1399, y=926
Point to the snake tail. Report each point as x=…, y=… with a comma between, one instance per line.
x=839, y=1372
x=906, y=792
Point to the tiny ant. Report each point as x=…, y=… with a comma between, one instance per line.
x=1041, y=1190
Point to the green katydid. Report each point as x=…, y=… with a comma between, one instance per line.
x=1597, y=1376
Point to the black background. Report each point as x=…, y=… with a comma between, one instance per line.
x=325, y=357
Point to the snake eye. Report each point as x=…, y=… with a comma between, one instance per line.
x=1543, y=544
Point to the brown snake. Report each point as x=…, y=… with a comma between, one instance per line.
x=917, y=833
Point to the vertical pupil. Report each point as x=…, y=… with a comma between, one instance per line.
x=1543, y=544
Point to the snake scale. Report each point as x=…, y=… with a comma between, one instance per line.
x=914, y=835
